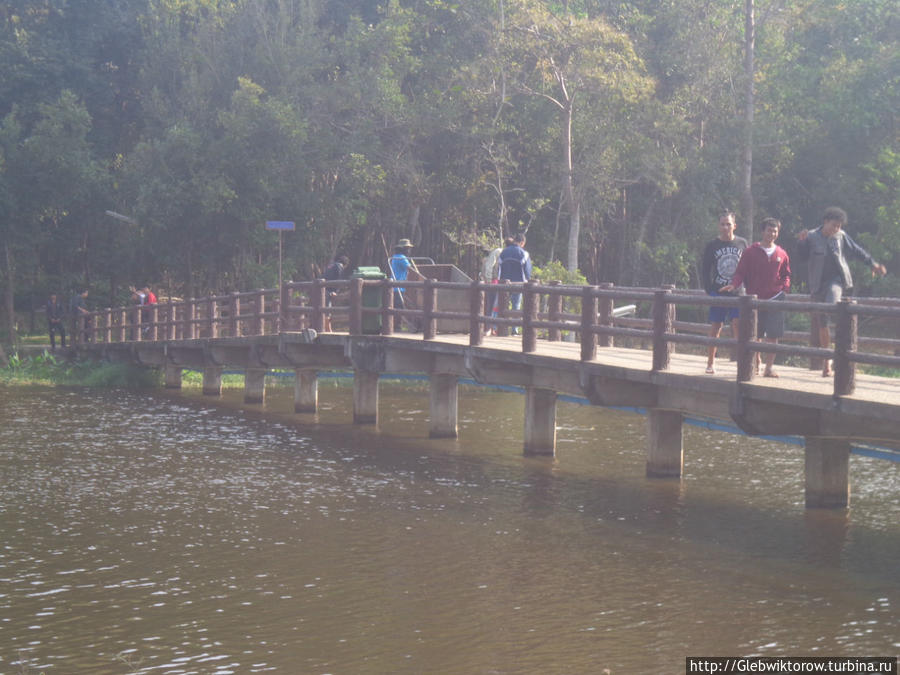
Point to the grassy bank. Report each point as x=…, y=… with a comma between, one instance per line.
x=48, y=369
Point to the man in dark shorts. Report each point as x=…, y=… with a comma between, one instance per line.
x=827, y=248
x=56, y=321
x=765, y=271
x=720, y=260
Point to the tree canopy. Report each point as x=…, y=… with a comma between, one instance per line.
x=611, y=131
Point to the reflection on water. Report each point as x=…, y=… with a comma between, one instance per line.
x=160, y=533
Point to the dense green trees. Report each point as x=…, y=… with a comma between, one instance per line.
x=611, y=131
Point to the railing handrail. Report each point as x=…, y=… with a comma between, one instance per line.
x=228, y=315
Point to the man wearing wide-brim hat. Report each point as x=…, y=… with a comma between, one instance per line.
x=400, y=264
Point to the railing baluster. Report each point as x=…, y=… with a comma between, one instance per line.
x=554, y=312
x=606, y=316
x=530, y=297
x=476, y=307
x=588, y=320
x=387, y=306
x=662, y=325
x=317, y=300
x=746, y=332
x=356, y=286
x=259, y=321
x=503, y=306
x=429, y=327
x=845, y=342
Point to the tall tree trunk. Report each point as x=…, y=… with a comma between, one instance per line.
x=574, y=205
x=9, y=295
x=747, y=206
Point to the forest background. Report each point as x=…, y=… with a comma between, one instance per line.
x=613, y=132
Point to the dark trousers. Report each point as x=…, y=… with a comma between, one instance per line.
x=53, y=330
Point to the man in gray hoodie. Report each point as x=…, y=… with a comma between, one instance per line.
x=827, y=248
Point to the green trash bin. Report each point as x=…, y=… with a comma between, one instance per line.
x=371, y=298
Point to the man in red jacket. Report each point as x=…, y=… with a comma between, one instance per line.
x=765, y=271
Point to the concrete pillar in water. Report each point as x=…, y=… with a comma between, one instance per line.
x=827, y=473
x=540, y=421
x=306, y=391
x=665, y=456
x=212, y=381
x=255, y=385
x=365, y=397
x=444, y=408
x=173, y=376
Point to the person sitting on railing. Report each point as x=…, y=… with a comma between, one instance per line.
x=765, y=271
x=720, y=260
x=515, y=266
x=827, y=248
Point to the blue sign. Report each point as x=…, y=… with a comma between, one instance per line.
x=279, y=224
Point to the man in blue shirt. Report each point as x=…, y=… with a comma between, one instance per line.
x=400, y=265
x=515, y=266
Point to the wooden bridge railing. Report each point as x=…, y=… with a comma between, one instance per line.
x=367, y=306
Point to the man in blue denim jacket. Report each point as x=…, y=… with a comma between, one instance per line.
x=827, y=249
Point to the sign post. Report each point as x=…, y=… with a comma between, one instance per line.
x=281, y=226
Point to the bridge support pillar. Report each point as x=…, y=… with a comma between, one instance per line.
x=365, y=397
x=444, y=406
x=212, y=381
x=827, y=473
x=306, y=391
x=665, y=456
x=540, y=421
x=173, y=376
x=255, y=385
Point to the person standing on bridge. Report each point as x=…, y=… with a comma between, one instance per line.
x=720, y=260
x=515, y=267
x=827, y=248
x=765, y=271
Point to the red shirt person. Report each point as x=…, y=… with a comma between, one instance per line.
x=765, y=271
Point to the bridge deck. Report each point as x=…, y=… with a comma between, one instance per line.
x=872, y=388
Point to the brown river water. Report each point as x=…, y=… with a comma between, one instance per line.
x=147, y=532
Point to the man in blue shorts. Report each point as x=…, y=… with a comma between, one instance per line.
x=720, y=261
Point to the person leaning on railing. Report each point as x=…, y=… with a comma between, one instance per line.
x=827, y=248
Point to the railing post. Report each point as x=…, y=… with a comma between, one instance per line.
x=356, y=286
x=136, y=321
x=154, y=323
x=606, y=316
x=588, y=320
x=211, y=318
x=845, y=342
x=387, y=308
x=746, y=333
x=123, y=320
x=503, y=306
x=554, y=312
x=530, y=296
x=429, y=324
x=109, y=323
x=476, y=307
x=317, y=300
x=190, y=319
x=172, y=323
x=180, y=311
x=234, y=309
x=259, y=321
x=662, y=325
x=284, y=301
x=815, y=362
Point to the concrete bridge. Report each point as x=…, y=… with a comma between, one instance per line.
x=213, y=334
